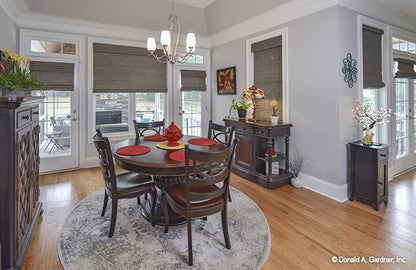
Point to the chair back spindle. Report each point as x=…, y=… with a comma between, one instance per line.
x=150, y=128
x=222, y=134
x=106, y=160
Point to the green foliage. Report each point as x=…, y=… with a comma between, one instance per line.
x=238, y=106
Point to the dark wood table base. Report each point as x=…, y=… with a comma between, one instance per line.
x=174, y=218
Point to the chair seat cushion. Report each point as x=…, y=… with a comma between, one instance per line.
x=130, y=180
x=178, y=194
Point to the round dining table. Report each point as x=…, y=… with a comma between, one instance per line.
x=165, y=172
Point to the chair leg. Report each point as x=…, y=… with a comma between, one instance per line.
x=105, y=203
x=153, y=206
x=225, y=228
x=114, y=204
x=190, y=254
x=229, y=195
x=145, y=196
x=164, y=205
x=138, y=200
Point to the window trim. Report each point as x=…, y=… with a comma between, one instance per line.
x=285, y=71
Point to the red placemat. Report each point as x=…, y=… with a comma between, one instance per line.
x=202, y=141
x=178, y=156
x=156, y=138
x=133, y=150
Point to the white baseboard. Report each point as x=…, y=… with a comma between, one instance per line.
x=89, y=162
x=330, y=190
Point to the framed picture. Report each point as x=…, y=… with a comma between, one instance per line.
x=226, y=81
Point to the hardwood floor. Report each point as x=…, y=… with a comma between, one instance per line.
x=307, y=229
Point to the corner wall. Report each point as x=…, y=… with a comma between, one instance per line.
x=8, y=32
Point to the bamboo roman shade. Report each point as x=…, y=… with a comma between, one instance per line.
x=127, y=69
x=406, y=68
x=193, y=80
x=268, y=66
x=372, y=57
x=56, y=76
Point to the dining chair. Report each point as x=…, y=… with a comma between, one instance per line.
x=124, y=185
x=203, y=193
x=222, y=134
x=156, y=127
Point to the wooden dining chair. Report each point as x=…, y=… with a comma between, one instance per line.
x=222, y=134
x=203, y=193
x=124, y=185
x=156, y=128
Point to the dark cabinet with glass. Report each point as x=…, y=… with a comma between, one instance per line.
x=368, y=173
x=257, y=138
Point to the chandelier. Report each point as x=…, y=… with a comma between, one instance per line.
x=167, y=38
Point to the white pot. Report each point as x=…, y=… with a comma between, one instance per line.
x=296, y=182
x=274, y=119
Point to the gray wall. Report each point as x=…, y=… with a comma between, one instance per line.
x=319, y=103
x=222, y=14
x=8, y=32
x=152, y=15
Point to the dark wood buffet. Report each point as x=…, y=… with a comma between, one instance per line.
x=19, y=173
x=256, y=138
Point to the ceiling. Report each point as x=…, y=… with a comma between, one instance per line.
x=405, y=6
x=194, y=3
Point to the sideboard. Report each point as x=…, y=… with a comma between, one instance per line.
x=19, y=173
x=250, y=161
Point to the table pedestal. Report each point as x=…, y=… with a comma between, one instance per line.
x=162, y=182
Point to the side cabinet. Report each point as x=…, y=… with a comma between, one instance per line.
x=368, y=173
x=19, y=177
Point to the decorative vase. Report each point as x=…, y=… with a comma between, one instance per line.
x=173, y=134
x=296, y=182
x=241, y=113
x=368, y=138
x=274, y=119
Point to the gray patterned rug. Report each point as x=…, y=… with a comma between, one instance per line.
x=84, y=244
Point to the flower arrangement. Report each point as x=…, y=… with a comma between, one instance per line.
x=275, y=107
x=365, y=115
x=14, y=72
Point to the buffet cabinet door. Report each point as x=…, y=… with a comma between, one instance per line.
x=243, y=152
x=23, y=186
x=34, y=180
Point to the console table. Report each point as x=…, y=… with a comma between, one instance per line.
x=19, y=174
x=256, y=137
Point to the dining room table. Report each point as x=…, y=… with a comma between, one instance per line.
x=164, y=170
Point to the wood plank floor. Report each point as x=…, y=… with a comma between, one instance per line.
x=307, y=229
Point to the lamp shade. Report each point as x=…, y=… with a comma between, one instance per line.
x=151, y=44
x=190, y=40
x=253, y=92
x=165, y=38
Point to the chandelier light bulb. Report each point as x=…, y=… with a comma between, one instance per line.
x=190, y=40
x=165, y=38
x=151, y=44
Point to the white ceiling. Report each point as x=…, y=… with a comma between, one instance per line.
x=405, y=6
x=195, y=3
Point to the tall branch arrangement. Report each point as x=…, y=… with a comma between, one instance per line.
x=364, y=114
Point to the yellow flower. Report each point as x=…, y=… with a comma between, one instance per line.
x=13, y=56
x=29, y=59
x=20, y=59
x=273, y=102
x=6, y=51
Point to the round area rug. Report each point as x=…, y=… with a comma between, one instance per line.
x=84, y=243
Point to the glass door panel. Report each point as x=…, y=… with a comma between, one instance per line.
x=192, y=113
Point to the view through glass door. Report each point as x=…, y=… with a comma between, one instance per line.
x=405, y=124
x=58, y=120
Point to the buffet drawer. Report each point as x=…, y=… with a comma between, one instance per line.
x=23, y=118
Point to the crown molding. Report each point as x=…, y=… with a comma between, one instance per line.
x=282, y=14
x=44, y=22
x=14, y=8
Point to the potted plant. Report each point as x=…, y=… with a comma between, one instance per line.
x=274, y=118
x=240, y=107
x=365, y=115
x=15, y=75
x=297, y=163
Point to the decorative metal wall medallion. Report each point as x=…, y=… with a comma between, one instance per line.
x=350, y=70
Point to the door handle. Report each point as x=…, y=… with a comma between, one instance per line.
x=74, y=119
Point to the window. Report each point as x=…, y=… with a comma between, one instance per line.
x=404, y=46
x=370, y=96
x=150, y=107
x=52, y=47
x=196, y=59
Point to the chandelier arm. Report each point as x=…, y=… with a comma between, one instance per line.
x=162, y=58
x=178, y=37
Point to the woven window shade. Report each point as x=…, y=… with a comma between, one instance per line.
x=56, y=76
x=406, y=68
x=372, y=57
x=268, y=66
x=126, y=69
x=193, y=80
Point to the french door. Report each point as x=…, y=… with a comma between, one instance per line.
x=405, y=124
x=191, y=108
x=58, y=120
